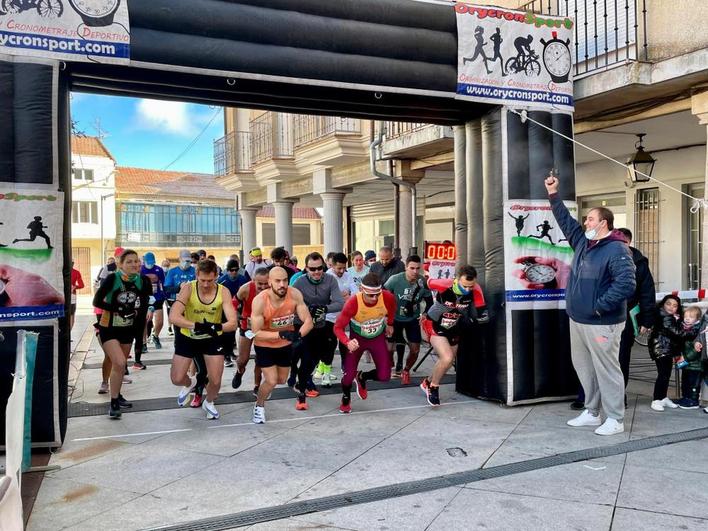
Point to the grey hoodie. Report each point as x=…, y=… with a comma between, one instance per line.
x=326, y=293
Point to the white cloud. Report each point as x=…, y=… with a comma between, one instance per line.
x=168, y=116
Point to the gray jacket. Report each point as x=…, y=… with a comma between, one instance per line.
x=326, y=293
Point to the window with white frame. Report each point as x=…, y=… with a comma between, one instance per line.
x=82, y=174
x=84, y=212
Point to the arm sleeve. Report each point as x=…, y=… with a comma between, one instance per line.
x=390, y=302
x=623, y=282
x=572, y=230
x=169, y=283
x=335, y=297
x=79, y=281
x=348, y=311
x=101, y=293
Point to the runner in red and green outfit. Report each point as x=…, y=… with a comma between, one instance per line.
x=369, y=316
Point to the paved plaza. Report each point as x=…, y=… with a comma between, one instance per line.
x=171, y=466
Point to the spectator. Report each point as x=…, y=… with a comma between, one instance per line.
x=256, y=262
x=387, y=266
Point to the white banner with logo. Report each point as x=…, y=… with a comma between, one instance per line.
x=514, y=58
x=31, y=285
x=74, y=30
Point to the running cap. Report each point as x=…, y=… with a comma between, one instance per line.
x=149, y=259
x=369, y=255
x=256, y=251
x=185, y=256
x=118, y=251
x=370, y=290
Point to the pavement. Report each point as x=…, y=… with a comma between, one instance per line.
x=171, y=466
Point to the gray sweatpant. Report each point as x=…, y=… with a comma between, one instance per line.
x=594, y=350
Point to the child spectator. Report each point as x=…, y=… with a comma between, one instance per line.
x=666, y=342
x=692, y=371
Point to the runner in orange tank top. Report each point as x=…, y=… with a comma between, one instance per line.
x=273, y=330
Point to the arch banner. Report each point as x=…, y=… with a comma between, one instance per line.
x=510, y=57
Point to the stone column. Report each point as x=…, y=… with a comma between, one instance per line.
x=405, y=220
x=699, y=107
x=333, y=221
x=461, y=223
x=248, y=226
x=284, y=224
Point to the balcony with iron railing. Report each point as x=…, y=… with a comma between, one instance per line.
x=607, y=32
x=310, y=129
x=416, y=139
x=232, y=153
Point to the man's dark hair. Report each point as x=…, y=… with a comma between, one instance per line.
x=206, y=266
x=211, y=257
x=386, y=249
x=330, y=255
x=278, y=254
x=371, y=279
x=201, y=252
x=468, y=272
x=195, y=257
x=231, y=264
x=627, y=234
x=314, y=256
x=607, y=215
x=413, y=258
x=339, y=258
x=260, y=272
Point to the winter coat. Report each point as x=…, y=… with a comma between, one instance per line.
x=690, y=354
x=667, y=337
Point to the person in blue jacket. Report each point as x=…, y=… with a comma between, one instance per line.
x=184, y=272
x=602, y=278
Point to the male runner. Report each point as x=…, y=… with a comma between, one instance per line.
x=273, y=323
x=256, y=262
x=347, y=288
x=183, y=272
x=197, y=312
x=322, y=295
x=244, y=299
x=457, y=310
x=410, y=289
x=232, y=280
x=369, y=315
x=157, y=278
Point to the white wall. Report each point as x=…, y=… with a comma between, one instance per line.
x=103, y=186
x=676, y=168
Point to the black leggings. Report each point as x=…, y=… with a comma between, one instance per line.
x=663, y=368
x=691, y=383
x=320, y=342
x=326, y=343
x=202, y=378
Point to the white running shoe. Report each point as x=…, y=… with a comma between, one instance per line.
x=667, y=402
x=658, y=405
x=258, y=414
x=326, y=382
x=183, y=396
x=211, y=412
x=317, y=375
x=610, y=427
x=585, y=419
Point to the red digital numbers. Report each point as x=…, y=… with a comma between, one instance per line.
x=440, y=251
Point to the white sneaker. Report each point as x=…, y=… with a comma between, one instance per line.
x=211, y=412
x=317, y=375
x=658, y=405
x=127, y=380
x=610, y=427
x=667, y=402
x=326, y=380
x=258, y=415
x=585, y=419
x=183, y=396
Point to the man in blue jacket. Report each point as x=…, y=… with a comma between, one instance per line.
x=602, y=278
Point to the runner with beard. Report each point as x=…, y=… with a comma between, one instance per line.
x=369, y=315
x=273, y=323
x=456, y=311
x=321, y=295
x=123, y=297
x=244, y=301
x=197, y=312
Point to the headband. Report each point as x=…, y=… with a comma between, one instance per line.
x=371, y=290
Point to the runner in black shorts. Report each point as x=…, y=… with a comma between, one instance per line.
x=123, y=297
x=197, y=312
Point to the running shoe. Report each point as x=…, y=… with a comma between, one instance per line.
x=170, y=332
x=228, y=362
x=103, y=388
x=183, y=396
x=398, y=370
x=360, y=386
x=127, y=380
x=211, y=412
x=312, y=393
x=687, y=403
x=145, y=349
x=123, y=403
x=326, y=380
x=197, y=400
x=236, y=380
x=319, y=372
x=139, y=366
x=301, y=403
x=114, y=413
x=255, y=391
x=259, y=414
x=433, y=395
x=292, y=379
x=156, y=342
x=345, y=407
x=406, y=377
x=424, y=385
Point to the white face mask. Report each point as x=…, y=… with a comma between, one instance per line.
x=591, y=233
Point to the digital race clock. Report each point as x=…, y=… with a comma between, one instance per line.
x=440, y=251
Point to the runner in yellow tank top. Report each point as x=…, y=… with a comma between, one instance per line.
x=198, y=313
x=272, y=321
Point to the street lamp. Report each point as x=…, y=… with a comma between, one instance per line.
x=641, y=164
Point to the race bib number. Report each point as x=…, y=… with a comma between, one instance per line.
x=285, y=321
x=449, y=320
x=372, y=327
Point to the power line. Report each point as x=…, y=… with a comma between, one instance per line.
x=194, y=141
